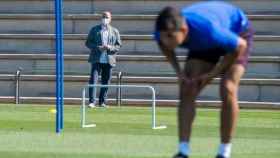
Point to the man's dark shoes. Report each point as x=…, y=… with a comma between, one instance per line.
x=179, y=155
x=219, y=156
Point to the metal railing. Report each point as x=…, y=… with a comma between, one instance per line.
x=119, y=89
x=17, y=85
x=83, y=107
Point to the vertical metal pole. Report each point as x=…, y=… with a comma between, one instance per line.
x=117, y=90
x=17, y=85
x=83, y=108
x=59, y=64
x=17, y=89
x=153, y=109
x=119, y=96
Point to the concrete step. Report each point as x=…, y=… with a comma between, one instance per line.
x=140, y=65
x=263, y=90
x=127, y=24
x=266, y=45
x=120, y=6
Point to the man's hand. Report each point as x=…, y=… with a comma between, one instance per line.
x=196, y=82
x=107, y=47
x=182, y=77
x=102, y=48
x=192, y=85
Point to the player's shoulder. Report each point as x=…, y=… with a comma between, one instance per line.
x=96, y=27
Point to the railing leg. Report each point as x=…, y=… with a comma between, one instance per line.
x=119, y=89
x=17, y=85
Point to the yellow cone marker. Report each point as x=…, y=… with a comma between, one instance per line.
x=52, y=111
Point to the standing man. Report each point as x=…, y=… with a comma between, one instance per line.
x=104, y=42
x=209, y=30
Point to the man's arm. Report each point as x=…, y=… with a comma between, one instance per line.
x=117, y=45
x=90, y=42
x=229, y=59
x=172, y=59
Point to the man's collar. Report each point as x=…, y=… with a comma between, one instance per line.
x=105, y=26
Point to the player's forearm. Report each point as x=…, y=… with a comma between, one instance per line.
x=172, y=59
x=227, y=61
x=230, y=59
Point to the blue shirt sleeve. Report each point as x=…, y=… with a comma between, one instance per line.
x=156, y=36
x=226, y=39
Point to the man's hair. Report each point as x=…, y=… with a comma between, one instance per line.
x=169, y=18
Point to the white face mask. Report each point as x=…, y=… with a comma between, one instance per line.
x=105, y=21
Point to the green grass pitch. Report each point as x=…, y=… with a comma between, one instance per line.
x=29, y=131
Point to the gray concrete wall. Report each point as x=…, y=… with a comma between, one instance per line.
x=127, y=24
x=259, y=67
x=44, y=43
x=27, y=37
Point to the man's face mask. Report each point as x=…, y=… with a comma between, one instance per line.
x=105, y=21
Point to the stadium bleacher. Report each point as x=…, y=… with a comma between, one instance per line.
x=27, y=41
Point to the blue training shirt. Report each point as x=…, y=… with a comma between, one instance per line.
x=213, y=24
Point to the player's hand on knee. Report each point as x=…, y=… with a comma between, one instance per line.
x=190, y=86
x=182, y=78
x=185, y=81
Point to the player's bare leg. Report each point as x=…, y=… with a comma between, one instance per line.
x=230, y=109
x=188, y=94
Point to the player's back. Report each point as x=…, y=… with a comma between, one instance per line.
x=218, y=13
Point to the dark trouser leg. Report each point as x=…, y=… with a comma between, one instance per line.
x=95, y=68
x=106, y=74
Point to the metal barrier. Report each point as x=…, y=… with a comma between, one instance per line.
x=17, y=85
x=83, y=108
x=119, y=89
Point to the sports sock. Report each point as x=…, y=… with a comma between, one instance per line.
x=225, y=150
x=184, y=148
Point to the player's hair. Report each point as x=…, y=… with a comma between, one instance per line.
x=169, y=18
